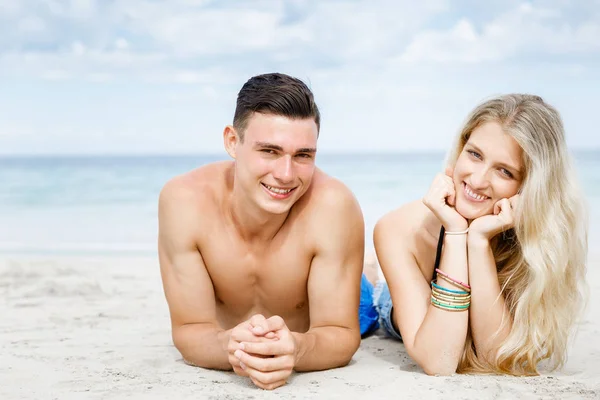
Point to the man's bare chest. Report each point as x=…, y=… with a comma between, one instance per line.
x=244, y=274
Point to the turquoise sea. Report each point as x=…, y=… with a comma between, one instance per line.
x=105, y=205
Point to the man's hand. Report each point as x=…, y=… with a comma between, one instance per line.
x=268, y=362
x=243, y=334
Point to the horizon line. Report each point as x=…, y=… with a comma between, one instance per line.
x=224, y=154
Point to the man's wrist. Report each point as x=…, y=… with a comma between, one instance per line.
x=303, y=343
x=224, y=336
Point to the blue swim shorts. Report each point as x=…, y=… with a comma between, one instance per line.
x=376, y=309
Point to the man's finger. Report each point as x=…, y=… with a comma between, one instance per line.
x=267, y=378
x=235, y=364
x=245, y=335
x=275, y=323
x=258, y=325
x=267, y=364
x=270, y=386
x=271, y=348
x=239, y=371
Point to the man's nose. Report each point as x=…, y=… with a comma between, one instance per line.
x=284, y=169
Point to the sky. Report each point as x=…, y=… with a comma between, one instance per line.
x=161, y=77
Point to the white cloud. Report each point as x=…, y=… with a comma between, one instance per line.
x=10, y=8
x=31, y=24
x=99, y=77
x=387, y=74
x=78, y=48
x=55, y=75
x=302, y=32
x=149, y=38
x=121, y=44
x=524, y=30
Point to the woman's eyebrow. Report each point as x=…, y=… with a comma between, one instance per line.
x=502, y=164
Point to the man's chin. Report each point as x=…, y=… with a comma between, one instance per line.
x=277, y=209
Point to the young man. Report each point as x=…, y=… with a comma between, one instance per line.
x=261, y=257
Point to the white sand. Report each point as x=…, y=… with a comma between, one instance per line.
x=74, y=328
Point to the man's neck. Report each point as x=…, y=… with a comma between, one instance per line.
x=252, y=223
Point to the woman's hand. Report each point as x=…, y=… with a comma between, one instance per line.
x=441, y=200
x=488, y=226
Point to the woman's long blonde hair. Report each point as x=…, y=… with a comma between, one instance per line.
x=541, y=262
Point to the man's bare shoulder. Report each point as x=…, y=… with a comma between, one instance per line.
x=197, y=187
x=330, y=196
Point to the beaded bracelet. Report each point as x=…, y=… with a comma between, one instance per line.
x=454, y=283
x=448, y=309
x=433, y=284
x=451, y=302
x=452, y=280
x=449, y=298
x=457, y=307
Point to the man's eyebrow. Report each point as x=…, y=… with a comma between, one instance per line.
x=266, y=145
x=503, y=165
x=306, y=150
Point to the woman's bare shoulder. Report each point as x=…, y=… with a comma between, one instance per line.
x=403, y=221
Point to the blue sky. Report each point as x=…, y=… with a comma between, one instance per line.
x=148, y=76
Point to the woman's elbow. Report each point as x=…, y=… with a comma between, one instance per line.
x=434, y=366
x=438, y=370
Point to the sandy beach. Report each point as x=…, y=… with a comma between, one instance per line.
x=98, y=328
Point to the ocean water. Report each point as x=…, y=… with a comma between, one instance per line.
x=108, y=205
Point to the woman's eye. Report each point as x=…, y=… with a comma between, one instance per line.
x=506, y=172
x=474, y=153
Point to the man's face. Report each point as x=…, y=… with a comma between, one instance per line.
x=276, y=161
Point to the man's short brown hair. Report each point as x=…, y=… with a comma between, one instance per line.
x=276, y=94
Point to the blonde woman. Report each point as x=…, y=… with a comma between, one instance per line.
x=486, y=272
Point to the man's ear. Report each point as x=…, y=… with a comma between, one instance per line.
x=230, y=140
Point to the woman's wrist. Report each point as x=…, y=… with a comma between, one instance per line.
x=475, y=238
x=452, y=228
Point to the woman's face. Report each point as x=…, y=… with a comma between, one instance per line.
x=488, y=169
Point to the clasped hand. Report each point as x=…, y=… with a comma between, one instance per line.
x=264, y=350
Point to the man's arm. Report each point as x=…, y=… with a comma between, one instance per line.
x=333, y=285
x=187, y=285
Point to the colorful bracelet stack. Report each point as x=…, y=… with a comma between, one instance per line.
x=450, y=299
